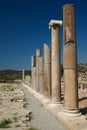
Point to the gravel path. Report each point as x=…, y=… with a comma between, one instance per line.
x=42, y=118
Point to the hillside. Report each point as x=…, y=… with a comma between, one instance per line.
x=11, y=75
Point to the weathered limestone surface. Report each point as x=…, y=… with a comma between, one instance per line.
x=28, y=80
x=47, y=71
x=38, y=54
x=41, y=75
x=32, y=61
x=69, y=23
x=55, y=61
x=34, y=77
x=32, y=66
x=70, y=60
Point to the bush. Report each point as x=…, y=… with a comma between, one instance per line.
x=5, y=123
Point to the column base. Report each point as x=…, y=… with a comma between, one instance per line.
x=45, y=100
x=32, y=91
x=36, y=94
x=72, y=113
x=41, y=97
x=54, y=104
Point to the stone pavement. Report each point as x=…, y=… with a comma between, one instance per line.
x=70, y=123
x=42, y=118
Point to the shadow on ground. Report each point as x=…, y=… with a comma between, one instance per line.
x=83, y=110
x=81, y=99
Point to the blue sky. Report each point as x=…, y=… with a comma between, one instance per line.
x=24, y=28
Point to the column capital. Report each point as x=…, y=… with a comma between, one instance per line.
x=54, y=23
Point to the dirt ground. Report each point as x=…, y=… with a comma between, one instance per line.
x=13, y=108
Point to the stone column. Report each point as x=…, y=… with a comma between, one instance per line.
x=32, y=61
x=23, y=75
x=27, y=80
x=55, y=61
x=41, y=75
x=47, y=71
x=34, y=77
x=32, y=66
x=38, y=54
x=70, y=61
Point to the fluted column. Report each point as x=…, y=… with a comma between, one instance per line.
x=70, y=60
x=47, y=71
x=55, y=61
x=38, y=54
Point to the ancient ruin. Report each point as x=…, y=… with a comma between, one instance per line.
x=32, y=69
x=55, y=61
x=38, y=54
x=47, y=71
x=41, y=75
x=34, y=77
x=70, y=61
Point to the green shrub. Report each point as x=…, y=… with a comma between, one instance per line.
x=25, y=105
x=29, y=116
x=15, y=119
x=5, y=123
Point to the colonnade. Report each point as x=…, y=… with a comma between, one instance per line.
x=46, y=70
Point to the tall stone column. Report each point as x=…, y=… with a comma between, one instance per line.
x=38, y=54
x=32, y=66
x=34, y=77
x=41, y=75
x=70, y=61
x=55, y=61
x=27, y=80
x=47, y=71
x=32, y=61
x=23, y=75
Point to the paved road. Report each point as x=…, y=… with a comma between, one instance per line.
x=42, y=118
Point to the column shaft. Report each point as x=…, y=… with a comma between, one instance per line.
x=32, y=61
x=34, y=77
x=38, y=54
x=32, y=66
x=55, y=61
x=47, y=71
x=56, y=86
x=70, y=60
x=41, y=75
